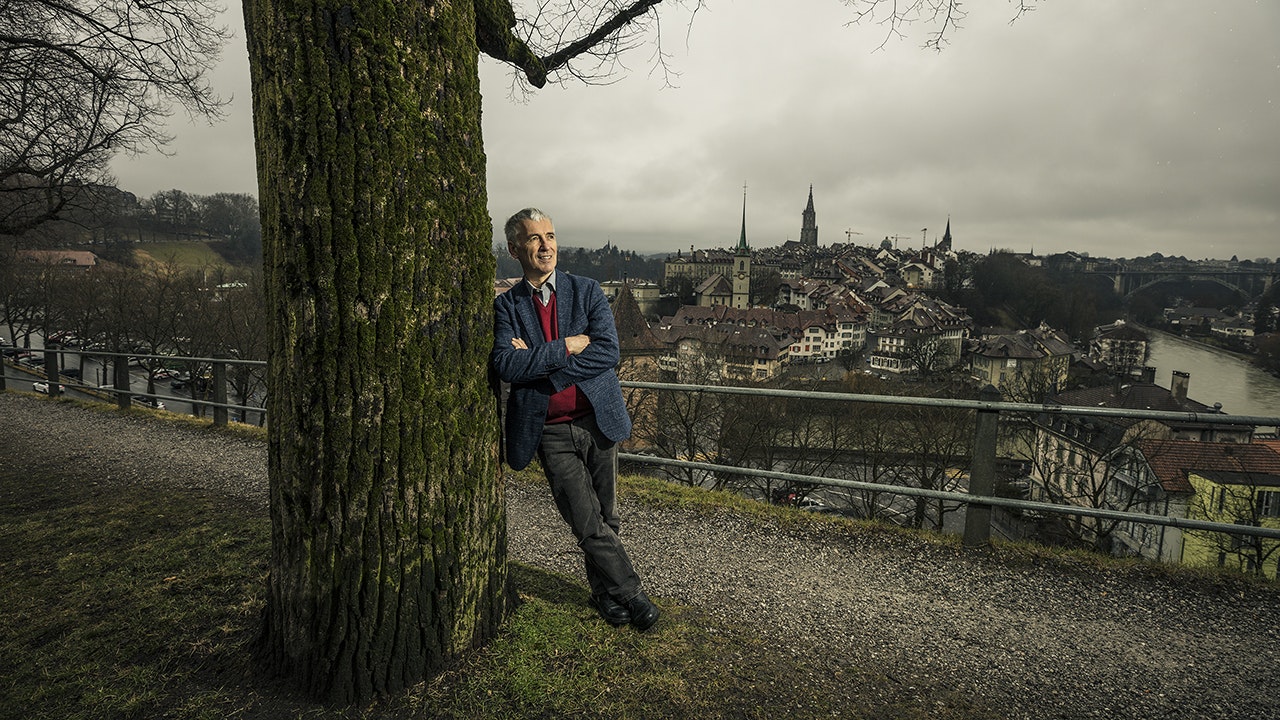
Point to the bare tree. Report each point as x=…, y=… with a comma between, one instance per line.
x=1033, y=383
x=165, y=294
x=234, y=218
x=931, y=354
x=32, y=301
x=1242, y=498
x=82, y=296
x=81, y=81
x=791, y=435
x=936, y=445
x=1079, y=461
x=688, y=425
x=872, y=443
x=240, y=319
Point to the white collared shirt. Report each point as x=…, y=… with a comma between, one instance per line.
x=548, y=287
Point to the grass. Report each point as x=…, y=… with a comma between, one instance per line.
x=186, y=254
x=144, y=603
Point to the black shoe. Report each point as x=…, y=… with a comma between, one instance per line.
x=643, y=612
x=609, y=609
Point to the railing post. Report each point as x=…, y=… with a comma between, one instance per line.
x=51, y=371
x=220, y=394
x=982, y=471
x=122, y=382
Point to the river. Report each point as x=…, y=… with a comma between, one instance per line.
x=1216, y=376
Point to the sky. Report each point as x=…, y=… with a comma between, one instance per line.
x=1108, y=128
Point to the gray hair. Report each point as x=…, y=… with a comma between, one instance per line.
x=512, y=228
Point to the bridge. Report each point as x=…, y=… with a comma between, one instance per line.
x=1252, y=282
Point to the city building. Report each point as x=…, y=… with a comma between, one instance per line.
x=1024, y=365
x=645, y=294
x=1122, y=463
x=1122, y=347
x=1217, y=482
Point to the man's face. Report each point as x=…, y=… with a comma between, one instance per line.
x=535, y=248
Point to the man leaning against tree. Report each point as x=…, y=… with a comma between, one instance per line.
x=555, y=342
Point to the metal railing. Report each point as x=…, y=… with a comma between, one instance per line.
x=216, y=399
x=980, y=497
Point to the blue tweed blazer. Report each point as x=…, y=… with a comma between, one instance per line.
x=547, y=368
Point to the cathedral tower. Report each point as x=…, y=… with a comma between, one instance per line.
x=809, y=224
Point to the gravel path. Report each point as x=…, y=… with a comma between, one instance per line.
x=1031, y=640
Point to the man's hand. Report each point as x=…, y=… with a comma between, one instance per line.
x=576, y=343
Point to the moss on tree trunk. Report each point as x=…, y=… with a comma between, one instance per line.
x=388, y=533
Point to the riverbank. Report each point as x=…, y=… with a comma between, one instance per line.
x=1247, y=357
x=1215, y=375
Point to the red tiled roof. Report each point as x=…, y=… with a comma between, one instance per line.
x=1172, y=460
x=634, y=333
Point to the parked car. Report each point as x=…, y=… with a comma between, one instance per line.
x=150, y=402
x=41, y=386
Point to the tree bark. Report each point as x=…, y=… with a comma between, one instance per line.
x=388, y=525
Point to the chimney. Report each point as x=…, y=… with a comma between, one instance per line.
x=1178, y=385
x=1149, y=374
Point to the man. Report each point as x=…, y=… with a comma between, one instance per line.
x=555, y=342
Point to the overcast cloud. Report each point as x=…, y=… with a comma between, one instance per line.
x=1090, y=125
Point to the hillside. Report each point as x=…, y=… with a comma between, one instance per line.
x=185, y=253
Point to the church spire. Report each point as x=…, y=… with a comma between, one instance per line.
x=809, y=223
x=741, y=275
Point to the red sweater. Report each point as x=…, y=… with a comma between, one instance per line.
x=570, y=403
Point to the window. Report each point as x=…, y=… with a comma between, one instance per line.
x=1268, y=503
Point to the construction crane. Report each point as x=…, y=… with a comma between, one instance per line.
x=849, y=233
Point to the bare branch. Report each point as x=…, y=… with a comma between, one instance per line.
x=608, y=29
x=553, y=38
x=81, y=81
x=943, y=16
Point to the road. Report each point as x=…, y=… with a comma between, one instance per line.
x=95, y=375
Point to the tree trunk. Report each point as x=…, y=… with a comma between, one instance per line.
x=388, y=525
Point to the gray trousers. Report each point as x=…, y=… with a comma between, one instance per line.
x=581, y=465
